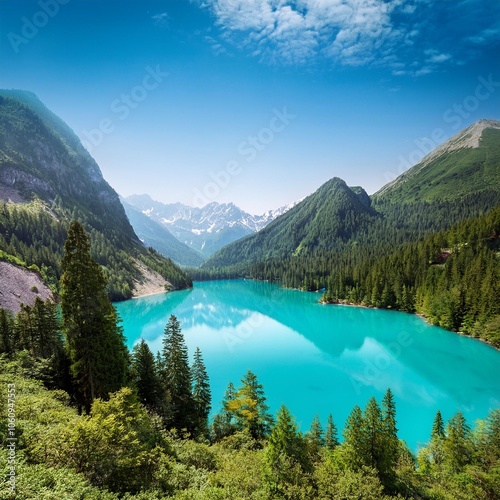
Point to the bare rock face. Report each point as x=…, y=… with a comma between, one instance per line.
x=14, y=179
x=10, y=195
x=20, y=286
x=468, y=138
x=150, y=282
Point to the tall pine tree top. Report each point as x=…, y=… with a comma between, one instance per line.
x=437, y=426
x=331, y=434
x=202, y=395
x=95, y=343
x=176, y=378
x=144, y=374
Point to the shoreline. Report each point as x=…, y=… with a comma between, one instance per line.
x=157, y=292
x=148, y=294
x=346, y=304
x=419, y=315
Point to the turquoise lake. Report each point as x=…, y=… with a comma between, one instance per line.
x=323, y=358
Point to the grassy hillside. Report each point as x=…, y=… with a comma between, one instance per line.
x=450, y=176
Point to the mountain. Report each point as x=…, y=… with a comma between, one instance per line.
x=466, y=164
x=266, y=218
x=153, y=234
x=322, y=220
x=457, y=181
x=204, y=229
x=47, y=178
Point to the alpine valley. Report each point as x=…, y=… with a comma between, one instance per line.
x=428, y=242
x=114, y=401
x=415, y=239
x=205, y=229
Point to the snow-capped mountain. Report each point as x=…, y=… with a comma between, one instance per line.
x=267, y=217
x=208, y=228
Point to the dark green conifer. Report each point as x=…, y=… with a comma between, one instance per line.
x=145, y=376
x=285, y=456
x=7, y=344
x=437, y=426
x=202, y=395
x=355, y=445
x=314, y=438
x=374, y=434
x=94, y=341
x=331, y=434
x=176, y=379
x=458, y=447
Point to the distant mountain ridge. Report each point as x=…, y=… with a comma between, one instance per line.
x=156, y=235
x=208, y=228
x=457, y=181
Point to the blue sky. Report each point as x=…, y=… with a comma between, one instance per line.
x=255, y=101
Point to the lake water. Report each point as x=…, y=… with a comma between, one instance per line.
x=323, y=358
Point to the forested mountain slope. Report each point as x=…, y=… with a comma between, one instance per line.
x=48, y=178
x=465, y=164
x=457, y=181
x=323, y=220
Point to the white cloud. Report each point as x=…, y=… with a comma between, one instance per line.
x=425, y=70
x=346, y=32
x=439, y=58
x=161, y=19
x=292, y=32
x=217, y=48
x=485, y=36
x=409, y=9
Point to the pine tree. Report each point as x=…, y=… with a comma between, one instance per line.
x=249, y=407
x=223, y=424
x=457, y=444
x=437, y=426
x=202, y=395
x=285, y=456
x=391, y=447
x=373, y=430
x=436, y=444
x=389, y=422
x=314, y=438
x=39, y=329
x=176, y=379
x=145, y=377
x=488, y=439
x=94, y=341
x=7, y=344
x=331, y=434
x=355, y=445
x=407, y=299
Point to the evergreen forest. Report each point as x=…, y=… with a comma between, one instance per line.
x=451, y=277
x=95, y=421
